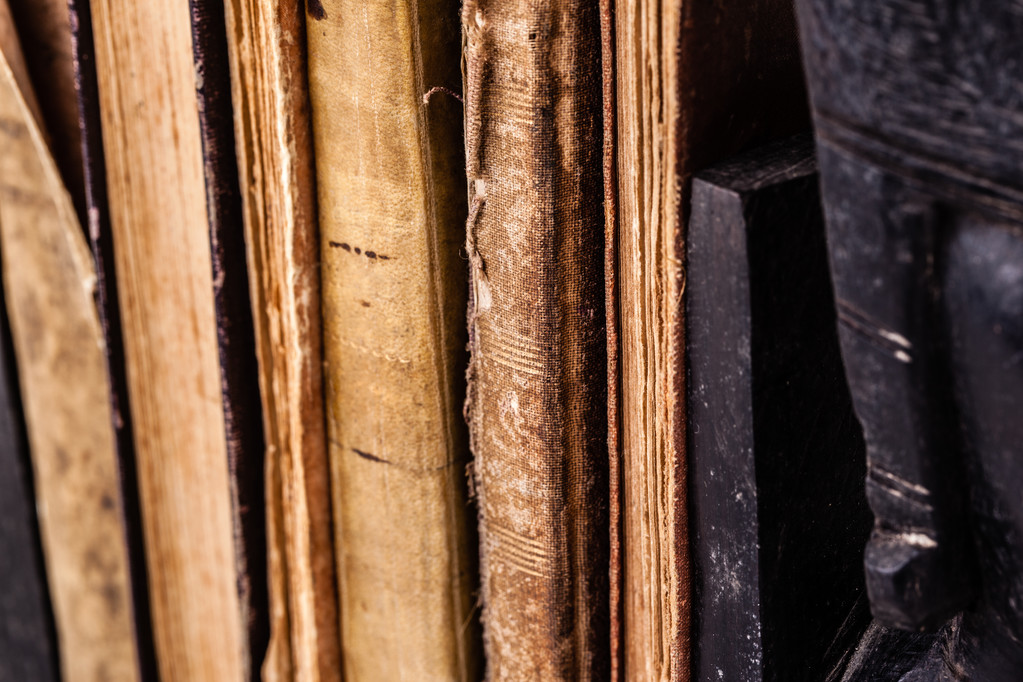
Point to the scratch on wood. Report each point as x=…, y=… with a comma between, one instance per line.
x=897, y=345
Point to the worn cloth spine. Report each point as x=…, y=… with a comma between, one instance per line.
x=614, y=351
x=267, y=54
x=536, y=401
x=390, y=183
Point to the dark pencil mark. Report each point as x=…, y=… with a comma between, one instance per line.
x=349, y=248
x=370, y=457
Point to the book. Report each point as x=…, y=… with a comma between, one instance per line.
x=100, y=235
x=693, y=83
x=48, y=280
x=161, y=229
x=537, y=379
x=14, y=55
x=45, y=30
x=243, y=423
x=28, y=636
x=267, y=54
x=390, y=184
x=777, y=512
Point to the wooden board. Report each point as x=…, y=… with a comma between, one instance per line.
x=778, y=512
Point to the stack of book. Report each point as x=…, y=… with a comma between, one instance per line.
x=418, y=340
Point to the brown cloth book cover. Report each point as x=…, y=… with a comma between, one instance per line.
x=537, y=379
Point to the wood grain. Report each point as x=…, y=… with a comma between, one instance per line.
x=778, y=512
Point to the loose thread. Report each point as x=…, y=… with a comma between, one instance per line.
x=447, y=91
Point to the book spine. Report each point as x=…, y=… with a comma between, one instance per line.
x=48, y=282
x=390, y=182
x=235, y=336
x=158, y=212
x=695, y=82
x=101, y=244
x=44, y=28
x=614, y=350
x=537, y=393
x=28, y=643
x=273, y=133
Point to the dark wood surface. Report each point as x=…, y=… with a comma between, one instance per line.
x=28, y=638
x=778, y=510
x=918, y=107
x=887, y=654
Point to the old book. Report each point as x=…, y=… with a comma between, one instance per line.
x=243, y=425
x=100, y=236
x=157, y=190
x=28, y=638
x=390, y=183
x=693, y=83
x=776, y=456
x=10, y=44
x=45, y=30
x=48, y=280
x=537, y=378
x=267, y=52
